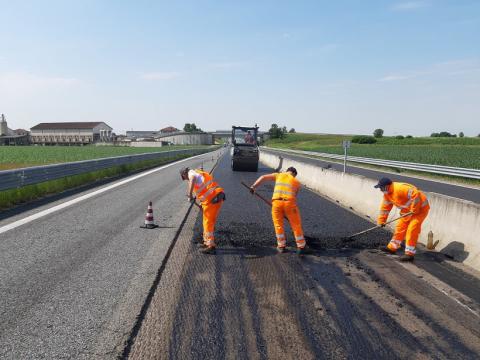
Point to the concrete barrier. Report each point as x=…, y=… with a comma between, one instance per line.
x=454, y=222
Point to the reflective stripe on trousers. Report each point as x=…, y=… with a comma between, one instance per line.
x=281, y=242
x=300, y=240
x=410, y=250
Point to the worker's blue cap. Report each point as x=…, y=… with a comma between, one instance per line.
x=383, y=182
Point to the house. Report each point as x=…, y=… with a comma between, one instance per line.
x=11, y=137
x=169, y=129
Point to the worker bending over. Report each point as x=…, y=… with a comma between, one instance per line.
x=284, y=204
x=411, y=201
x=202, y=186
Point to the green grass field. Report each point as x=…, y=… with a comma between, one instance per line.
x=12, y=157
x=458, y=152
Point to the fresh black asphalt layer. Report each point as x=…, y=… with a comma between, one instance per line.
x=345, y=301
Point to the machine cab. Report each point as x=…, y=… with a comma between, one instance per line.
x=244, y=150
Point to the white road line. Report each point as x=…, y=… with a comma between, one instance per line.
x=53, y=209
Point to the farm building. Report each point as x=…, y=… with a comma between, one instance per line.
x=177, y=138
x=70, y=133
x=141, y=134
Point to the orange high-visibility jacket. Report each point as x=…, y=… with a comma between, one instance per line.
x=286, y=187
x=404, y=196
x=205, y=189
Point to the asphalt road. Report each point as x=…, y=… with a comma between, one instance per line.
x=346, y=301
x=461, y=192
x=73, y=282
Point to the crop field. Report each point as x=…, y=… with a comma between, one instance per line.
x=12, y=157
x=458, y=152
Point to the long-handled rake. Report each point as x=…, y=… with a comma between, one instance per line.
x=376, y=227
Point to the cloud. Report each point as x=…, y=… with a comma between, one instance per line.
x=452, y=68
x=410, y=5
x=16, y=84
x=153, y=76
x=394, y=78
x=228, y=64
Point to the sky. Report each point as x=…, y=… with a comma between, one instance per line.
x=343, y=67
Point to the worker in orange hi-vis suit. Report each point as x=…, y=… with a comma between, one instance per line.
x=411, y=201
x=284, y=204
x=211, y=197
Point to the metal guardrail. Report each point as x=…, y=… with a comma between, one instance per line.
x=429, y=168
x=16, y=178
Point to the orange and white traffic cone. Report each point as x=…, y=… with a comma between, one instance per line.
x=149, y=224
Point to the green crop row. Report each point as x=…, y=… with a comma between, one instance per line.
x=457, y=152
x=23, y=156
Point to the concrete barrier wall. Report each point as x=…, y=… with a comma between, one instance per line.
x=454, y=222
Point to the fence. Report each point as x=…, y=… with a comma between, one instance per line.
x=11, y=179
x=429, y=168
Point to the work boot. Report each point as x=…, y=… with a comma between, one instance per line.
x=304, y=251
x=406, y=258
x=209, y=250
x=386, y=249
x=281, y=250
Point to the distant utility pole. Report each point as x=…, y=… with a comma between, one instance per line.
x=346, y=144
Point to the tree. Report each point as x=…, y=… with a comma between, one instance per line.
x=291, y=131
x=443, y=134
x=191, y=128
x=363, y=139
x=378, y=133
x=276, y=132
x=461, y=134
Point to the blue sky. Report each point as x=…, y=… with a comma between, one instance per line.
x=409, y=67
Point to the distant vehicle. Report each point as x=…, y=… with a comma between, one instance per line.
x=244, y=148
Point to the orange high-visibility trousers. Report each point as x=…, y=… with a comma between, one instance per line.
x=210, y=214
x=280, y=209
x=408, y=229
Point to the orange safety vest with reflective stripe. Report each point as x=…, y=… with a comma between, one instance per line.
x=205, y=189
x=404, y=196
x=286, y=187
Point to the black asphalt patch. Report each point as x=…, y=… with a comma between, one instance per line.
x=344, y=301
